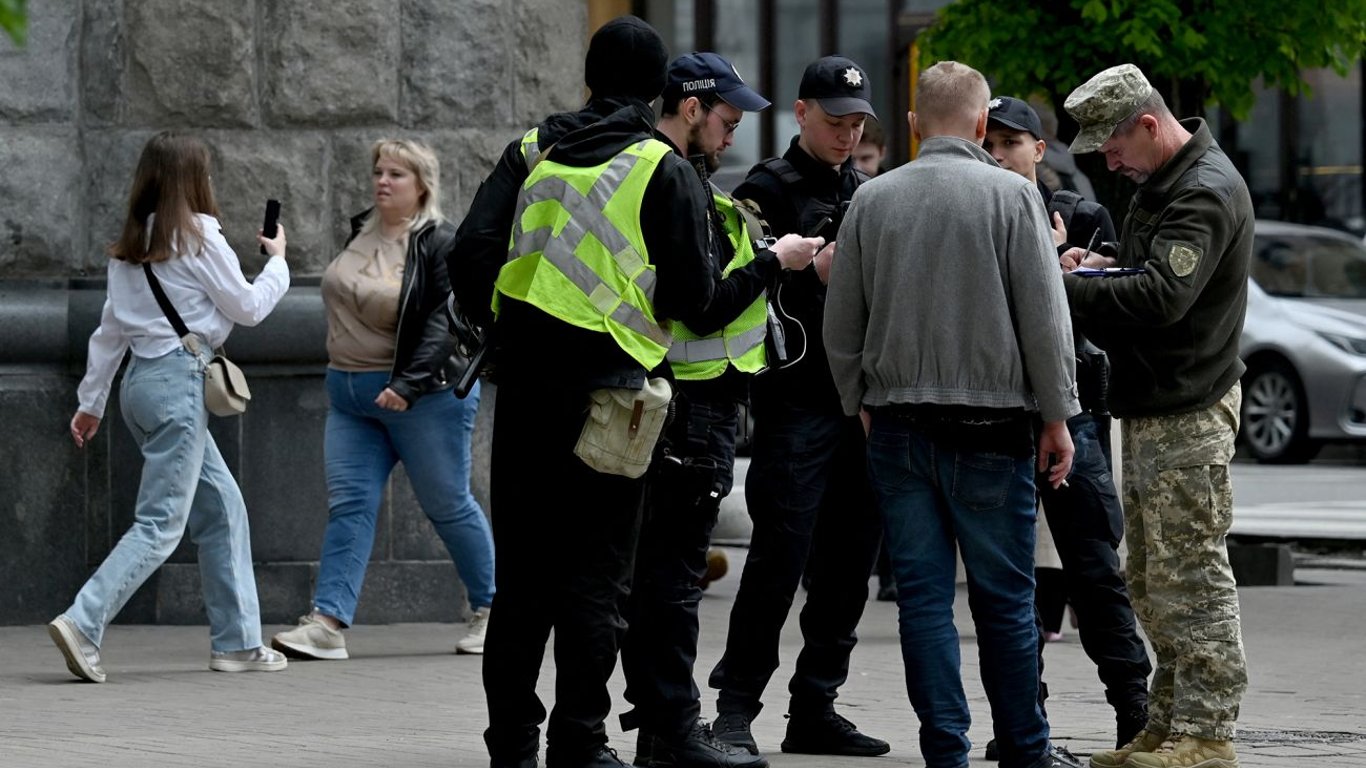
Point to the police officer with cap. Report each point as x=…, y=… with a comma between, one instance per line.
x=566, y=533
x=1172, y=332
x=1085, y=516
x=806, y=489
x=712, y=358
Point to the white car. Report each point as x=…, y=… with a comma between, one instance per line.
x=1304, y=342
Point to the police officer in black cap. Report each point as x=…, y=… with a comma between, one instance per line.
x=566, y=533
x=807, y=488
x=1085, y=516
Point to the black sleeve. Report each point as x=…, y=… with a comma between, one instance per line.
x=428, y=356
x=481, y=243
x=735, y=293
x=674, y=222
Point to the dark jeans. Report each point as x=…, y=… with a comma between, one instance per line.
x=660, y=648
x=807, y=492
x=935, y=503
x=1087, y=521
x=565, y=537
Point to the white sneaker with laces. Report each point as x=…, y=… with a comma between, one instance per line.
x=312, y=639
x=473, y=641
x=258, y=659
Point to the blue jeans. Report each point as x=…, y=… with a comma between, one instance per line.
x=361, y=445
x=185, y=484
x=934, y=501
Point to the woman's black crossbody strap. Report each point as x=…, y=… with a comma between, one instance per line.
x=166, y=307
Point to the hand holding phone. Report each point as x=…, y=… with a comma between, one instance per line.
x=269, y=228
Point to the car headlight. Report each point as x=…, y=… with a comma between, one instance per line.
x=1348, y=344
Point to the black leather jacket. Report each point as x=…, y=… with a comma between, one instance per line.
x=424, y=352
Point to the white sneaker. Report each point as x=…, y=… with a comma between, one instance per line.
x=312, y=639
x=258, y=659
x=82, y=657
x=473, y=641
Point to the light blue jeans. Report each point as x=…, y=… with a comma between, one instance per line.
x=361, y=445
x=185, y=483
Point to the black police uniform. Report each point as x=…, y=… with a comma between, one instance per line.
x=1087, y=520
x=566, y=535
x=687, y=482
x=807, y=489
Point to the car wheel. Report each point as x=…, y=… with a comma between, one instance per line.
x=1276, y=415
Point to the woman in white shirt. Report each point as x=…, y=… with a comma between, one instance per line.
x=172, y=226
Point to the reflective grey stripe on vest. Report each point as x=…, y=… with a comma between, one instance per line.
x=531, y=152
x=586, y=217
x=707, y=350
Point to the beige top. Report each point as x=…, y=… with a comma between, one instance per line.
x=360, y=289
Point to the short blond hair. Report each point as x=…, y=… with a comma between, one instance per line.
x=950, y=97
x=422, y=161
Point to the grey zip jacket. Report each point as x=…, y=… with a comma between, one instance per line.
x=945, y=289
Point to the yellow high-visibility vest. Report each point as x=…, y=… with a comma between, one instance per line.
x=577, y=252
x=741, y=342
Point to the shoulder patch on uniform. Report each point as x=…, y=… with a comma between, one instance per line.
x=1183, y=258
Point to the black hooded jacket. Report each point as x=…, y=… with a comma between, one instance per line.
x=532, y=345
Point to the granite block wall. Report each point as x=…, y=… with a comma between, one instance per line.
x=289, y=95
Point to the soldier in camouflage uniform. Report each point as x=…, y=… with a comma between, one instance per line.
x=1172, y=334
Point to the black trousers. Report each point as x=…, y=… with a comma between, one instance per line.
x=682, y=501
x=1087, y=522
x=808, y=494
x=565, y=536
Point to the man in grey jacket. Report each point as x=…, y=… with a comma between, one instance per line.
x=946, y=325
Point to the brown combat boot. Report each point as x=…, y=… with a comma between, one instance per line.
x=1188, y=752
x=1145, y=741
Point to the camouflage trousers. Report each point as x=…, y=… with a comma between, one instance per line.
x=1178, y=505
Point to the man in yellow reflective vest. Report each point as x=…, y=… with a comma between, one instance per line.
x=712, y=358
x=591, y=237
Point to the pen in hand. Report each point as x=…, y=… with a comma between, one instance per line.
x=1089, y=245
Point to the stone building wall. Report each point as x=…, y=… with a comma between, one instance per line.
x=289, y=94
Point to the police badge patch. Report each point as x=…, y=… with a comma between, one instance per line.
x=1182, y=259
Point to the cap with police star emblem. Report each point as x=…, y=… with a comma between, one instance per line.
x=839, y=85
x=1015, y=115
x=695, y=74
x=1105, y=101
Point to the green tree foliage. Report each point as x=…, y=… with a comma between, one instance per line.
x=1195, y=52
x=14, y=20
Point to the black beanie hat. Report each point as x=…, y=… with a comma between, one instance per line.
x=626, y=57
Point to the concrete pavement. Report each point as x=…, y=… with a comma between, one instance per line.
x=405, y=700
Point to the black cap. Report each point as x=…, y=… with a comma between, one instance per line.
x=1016, y=114
x=626, y=57
x=694, y=74
x=839, y=85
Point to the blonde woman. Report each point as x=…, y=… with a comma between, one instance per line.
x=171, y=234
x=389, y=381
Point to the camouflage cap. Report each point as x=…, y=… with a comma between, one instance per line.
x=1105, y=101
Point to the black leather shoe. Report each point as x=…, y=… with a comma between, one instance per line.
x=605, y=757
x=645, y=749
x=701, y=749
x=829, y=734
x=733, y=728
x=1056, y=757
x=993, y=753
x=602, y=757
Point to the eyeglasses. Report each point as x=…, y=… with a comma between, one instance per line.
x=730, y=127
